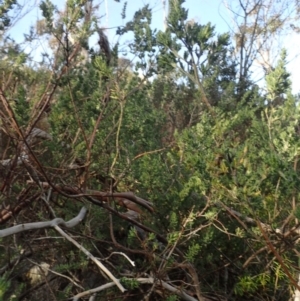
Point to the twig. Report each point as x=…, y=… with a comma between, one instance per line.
x=121, y=253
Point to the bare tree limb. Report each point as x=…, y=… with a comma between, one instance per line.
x=178, y=291
x=40, y=225
x=93, y=258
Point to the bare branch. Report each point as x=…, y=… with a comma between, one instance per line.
x=40, y=225
x=178, y=291
x=93, y=258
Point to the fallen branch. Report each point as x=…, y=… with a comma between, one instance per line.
x=175, y=290
x=125, y=199
x=40, y=225
x=93, y=258
x=54, y=223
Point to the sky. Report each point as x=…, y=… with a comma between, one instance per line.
x=202, y=11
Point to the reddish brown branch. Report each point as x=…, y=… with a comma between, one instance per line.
x=7, y=213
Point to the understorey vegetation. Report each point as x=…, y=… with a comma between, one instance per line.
x=166, y=174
